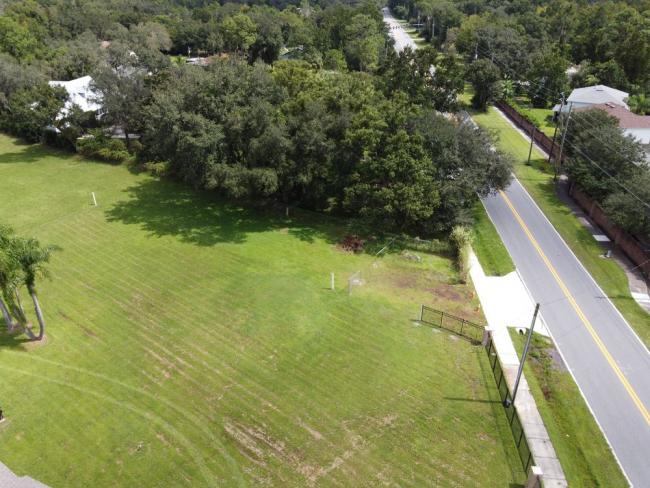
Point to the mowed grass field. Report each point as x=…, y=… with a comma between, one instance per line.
x=195, y=343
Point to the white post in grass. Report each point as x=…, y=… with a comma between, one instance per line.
x=94, y=199
x=332, y=281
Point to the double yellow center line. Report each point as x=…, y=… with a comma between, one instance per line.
x=626, y=384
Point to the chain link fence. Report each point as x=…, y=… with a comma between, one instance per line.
x=458, y=325
x=511, y=412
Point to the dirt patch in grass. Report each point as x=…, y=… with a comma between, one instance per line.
x=405, y=281
x=449, y=292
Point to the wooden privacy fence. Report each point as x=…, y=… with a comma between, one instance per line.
x=635, y=249
x=530, y=129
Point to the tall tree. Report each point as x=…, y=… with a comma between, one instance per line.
x=548, y=76
x=484, y=76
x=239, y=32
x=32, y=259
x=122, y=90
x=600, y=153
x=9, y=275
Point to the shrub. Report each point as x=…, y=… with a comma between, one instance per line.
x=461, y=239
x=157, y=168
x=352, y=243
x=99, y=146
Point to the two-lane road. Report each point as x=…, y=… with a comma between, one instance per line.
x=610, y=364
x=402, y=39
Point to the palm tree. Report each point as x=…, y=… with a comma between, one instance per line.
x=507, y=88
x=32, y=258
x=639, y=104
x=9, y=275
x=7, y=284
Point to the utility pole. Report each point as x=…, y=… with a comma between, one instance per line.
x=566, y=127
x=508, y=402
x=557, y=122
x=532, y=140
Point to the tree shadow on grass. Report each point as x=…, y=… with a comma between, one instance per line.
x=12, y=341
x=29, y=154
x=167, y=208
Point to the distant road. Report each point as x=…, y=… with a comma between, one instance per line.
x=608, y=361
x=402, y=39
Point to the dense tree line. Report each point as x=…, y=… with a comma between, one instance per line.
x=611, y=168
x=537, y=41
x=63, y=38
x=332, y=141
x=344, y=125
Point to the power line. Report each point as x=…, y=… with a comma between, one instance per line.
x=593, y=126
x=519, y=76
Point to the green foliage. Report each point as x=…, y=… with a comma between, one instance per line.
x=327, y=140
x=97, y=145
x=601, y=156
x=157, y=168
x=626, y=210
x=426, y=76
x=32, y=259
x=640, y=104
x=548, y=77
x=123, y=86
x=17, y=39
x=362, y=41
x=461, y=239
x=335, y=60
x=484, y=76
x=22, y=261
x=239, y=32
x=27, y=111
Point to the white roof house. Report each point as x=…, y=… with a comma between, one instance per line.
x=594, y=95
x=80, y=93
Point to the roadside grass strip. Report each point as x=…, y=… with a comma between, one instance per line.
x=586, y=458
x=538, y=181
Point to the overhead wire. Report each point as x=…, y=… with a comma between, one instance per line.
x=489, y=54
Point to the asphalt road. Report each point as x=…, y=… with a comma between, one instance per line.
x=609, y=363
x=402, y=39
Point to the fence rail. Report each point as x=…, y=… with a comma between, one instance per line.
x=476, y=334
x=529, y=128
x=458, y=325
x=523, y=449
x=629, y=244
x=635, y=249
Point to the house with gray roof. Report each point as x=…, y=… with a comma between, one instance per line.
x=593, y=95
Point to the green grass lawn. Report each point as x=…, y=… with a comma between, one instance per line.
x=542, y=117
x=488, y=246
x=584, y=454
x=191, y=342
x=538, y=181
